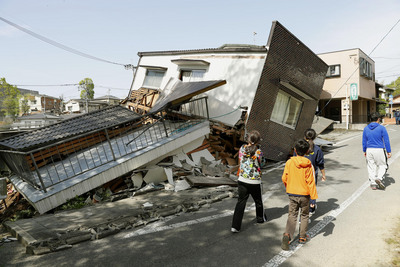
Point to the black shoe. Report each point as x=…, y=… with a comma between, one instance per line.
x=264, y=219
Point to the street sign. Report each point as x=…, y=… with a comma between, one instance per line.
x=391, y=98
x=353, y=91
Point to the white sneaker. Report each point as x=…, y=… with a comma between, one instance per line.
x=233, y=230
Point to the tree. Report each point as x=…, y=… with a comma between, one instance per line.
x=24, y=104
x=9, y=99
x=396, y=85
x=86, y=86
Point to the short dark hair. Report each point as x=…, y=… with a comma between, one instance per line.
x=310, y=134
x=375, y=116
x=301, y=147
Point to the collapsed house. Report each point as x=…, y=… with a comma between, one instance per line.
x=174, y=96
x=278, y=84
x=53, y=164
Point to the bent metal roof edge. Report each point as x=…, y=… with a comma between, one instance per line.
x=99, y=119
x=222, y=49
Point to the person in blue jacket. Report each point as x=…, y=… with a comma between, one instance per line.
x=316, y=156
x=376, y=148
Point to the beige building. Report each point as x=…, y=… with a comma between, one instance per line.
x=349, y=93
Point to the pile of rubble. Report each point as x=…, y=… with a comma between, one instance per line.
x=214, y=163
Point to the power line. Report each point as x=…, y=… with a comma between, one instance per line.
x=388, y=57
x=66, y=84
x=397, y=75
x=59, y=45
x=69, y=84
x=340, y=88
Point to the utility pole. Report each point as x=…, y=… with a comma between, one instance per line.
x=87, y=105
x=133, y=68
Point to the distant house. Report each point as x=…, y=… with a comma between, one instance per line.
x=349, y=93
x=109, y=99
x=278, y=84
x=79, y=105
x=40, y=103
x=396, y=102
x=35, y=121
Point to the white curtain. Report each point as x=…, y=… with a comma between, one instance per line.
x=192, y=75
x=280, y=107
x=153, y=79
x=293, y=112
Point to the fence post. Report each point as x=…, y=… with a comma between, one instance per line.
x=38, y=173
x=208, y=115
x=109, y=143
x=163, y=122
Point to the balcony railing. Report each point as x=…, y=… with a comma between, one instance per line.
x=61, y=161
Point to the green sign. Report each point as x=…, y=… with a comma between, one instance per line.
x=353, y=91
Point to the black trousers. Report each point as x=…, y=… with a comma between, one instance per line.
x=245, y=190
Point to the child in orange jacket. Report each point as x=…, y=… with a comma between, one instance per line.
x=299, y=180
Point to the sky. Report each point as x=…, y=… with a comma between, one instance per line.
x=113, y=32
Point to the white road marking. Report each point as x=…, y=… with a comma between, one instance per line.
x=294, y=246
x=348, y=139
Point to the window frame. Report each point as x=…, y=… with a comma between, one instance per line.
x=275, y=115
x=153, y=86
x=366, y=69
x=186, y=70
x=329, y=71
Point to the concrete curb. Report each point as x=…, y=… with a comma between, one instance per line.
x=23, y=237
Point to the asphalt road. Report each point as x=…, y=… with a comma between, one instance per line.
x=348, y=229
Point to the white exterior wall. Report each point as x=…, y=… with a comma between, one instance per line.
x=74, y=106
x=32, y=106
x=37, y=106
x=242, y=72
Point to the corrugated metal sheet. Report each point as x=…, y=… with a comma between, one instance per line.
x=183, y=91
x=99, y=119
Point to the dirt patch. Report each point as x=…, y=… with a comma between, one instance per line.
x=394, y=244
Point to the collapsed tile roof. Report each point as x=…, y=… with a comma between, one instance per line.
x=95, y=120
